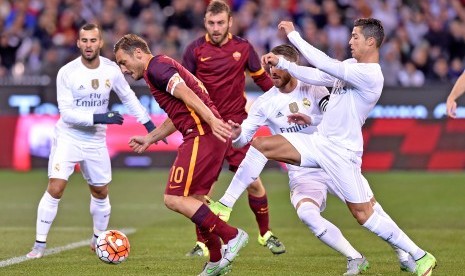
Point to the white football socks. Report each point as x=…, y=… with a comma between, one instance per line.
x=248, y=171
x=100, y=209
x=388, y=230
x=324, y=230
x=401, y=254
x=46, y=213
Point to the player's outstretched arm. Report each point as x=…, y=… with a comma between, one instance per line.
x=220, y=129
x=109, y=118
x=456, y=92
x=286, y=26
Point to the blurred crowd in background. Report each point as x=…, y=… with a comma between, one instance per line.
x=424, y=44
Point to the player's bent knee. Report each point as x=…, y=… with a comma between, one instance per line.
x=261, y=144
x=361, y=211
x=310, y=215
x=256, y=188
x=175, y=203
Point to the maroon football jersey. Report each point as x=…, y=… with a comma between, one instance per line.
x=161, y=74
x=222, y=71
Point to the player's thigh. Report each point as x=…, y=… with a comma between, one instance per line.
x=277, y=147
x=301, y=145
x=197, y=165
x=64, y=155
x=308, y=186
x=96, y=166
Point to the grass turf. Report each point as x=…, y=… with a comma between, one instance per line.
x=429, y=207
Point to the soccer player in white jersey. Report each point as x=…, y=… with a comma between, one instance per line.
x=337, y=146
x=294, y=106
x=83, y=94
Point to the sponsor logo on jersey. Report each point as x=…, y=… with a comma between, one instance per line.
x=95, y=84
x=81, y=87
x=293, y=128
x=202, y=59
x=237, y=56
x=107, y=83
x=293, y=107
x=279, y=114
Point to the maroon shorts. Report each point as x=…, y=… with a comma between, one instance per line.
x=234, y=156
x=197, y=165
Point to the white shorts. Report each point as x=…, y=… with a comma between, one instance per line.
x=313, y=184
x=342, y=165
x=94, y=161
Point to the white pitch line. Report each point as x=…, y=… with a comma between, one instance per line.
x=56, y=250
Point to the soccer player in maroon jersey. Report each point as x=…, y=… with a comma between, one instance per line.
x=206, y=137
x=220, y=60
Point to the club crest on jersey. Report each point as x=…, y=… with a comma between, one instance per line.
x=237, y=56
x=293, y=107
x=95, y=84
x=107, y=83
x=306, y=102
x=57, y=167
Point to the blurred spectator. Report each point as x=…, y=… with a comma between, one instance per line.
x=390, y=63
x=440, y=72
x=456, y=40
x=9, y=45
x=455, y=70
x=410, y=76
x=430, y=34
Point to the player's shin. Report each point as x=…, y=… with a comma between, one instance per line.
x=401, y=254
x=324, y=230
x=248, y=171
x=46, y=213
x=100, y=209
x=388, y=230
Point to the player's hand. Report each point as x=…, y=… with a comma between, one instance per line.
x=139, y=143
x=451, y=107
x=112, y=117
x=286, y=26
x=236, y=129
x=299, y=118
x=270, y=59
x=220, y=129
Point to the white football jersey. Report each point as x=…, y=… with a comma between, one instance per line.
x=356, y=89
x=272, y=108
x=82, y=92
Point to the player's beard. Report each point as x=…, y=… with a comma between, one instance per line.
x=282, y=81
x=90, y=58
x=221, y=39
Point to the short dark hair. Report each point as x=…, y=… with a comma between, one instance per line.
x=129, y=42
x=287, y=51
x=218, y=6
x=91, y=26
x=371, y=28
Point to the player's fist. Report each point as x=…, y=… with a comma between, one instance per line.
x=286, y=26
x=270, y=59
x=112, y=117
x=139, y=143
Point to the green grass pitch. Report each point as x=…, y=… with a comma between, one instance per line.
x=429, y=207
